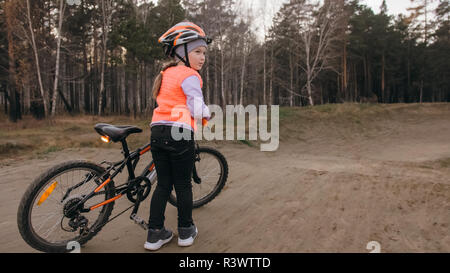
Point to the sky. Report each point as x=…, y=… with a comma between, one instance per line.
x=394, y=6
x=272, y=6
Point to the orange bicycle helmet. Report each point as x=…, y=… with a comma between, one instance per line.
x=181, y=34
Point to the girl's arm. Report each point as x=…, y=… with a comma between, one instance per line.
x=194, y=98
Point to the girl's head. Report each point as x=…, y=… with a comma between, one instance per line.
x=186, y=43
x=180, y=40
x=196, y=54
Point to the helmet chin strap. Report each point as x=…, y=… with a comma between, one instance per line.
x=186, y=62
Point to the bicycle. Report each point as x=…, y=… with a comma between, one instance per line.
x=73, y=201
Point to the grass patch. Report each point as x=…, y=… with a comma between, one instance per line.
x=436, y=164
x=287, y=112
x=444, y=163
x=88, y=144
x=12, y=148
x=246, y=142
x=74, y=129
x=51, y=149
x=325, y=108
x=62, y=132
x=365, y=106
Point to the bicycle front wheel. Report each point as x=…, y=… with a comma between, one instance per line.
x=212, y=169
x=43, y=217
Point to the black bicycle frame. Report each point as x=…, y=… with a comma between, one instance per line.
x=130, y=161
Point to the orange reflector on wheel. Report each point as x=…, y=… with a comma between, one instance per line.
x=47, y=193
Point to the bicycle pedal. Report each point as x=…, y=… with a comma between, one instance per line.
x=139, y=221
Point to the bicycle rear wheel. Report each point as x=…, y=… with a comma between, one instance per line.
x=212, y=168
x=43, y=218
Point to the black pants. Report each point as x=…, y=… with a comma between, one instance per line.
x=174, y=162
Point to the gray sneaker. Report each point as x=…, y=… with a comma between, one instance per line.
x=156, y=238
x=186, y=236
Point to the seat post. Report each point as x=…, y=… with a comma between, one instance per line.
x=126, y=152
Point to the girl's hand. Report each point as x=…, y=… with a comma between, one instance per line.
x=204, y=122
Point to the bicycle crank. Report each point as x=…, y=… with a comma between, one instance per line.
x=140, y=184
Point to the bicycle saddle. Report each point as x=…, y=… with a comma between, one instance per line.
x=116, y=133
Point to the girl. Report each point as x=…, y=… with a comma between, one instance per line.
x=178, y=93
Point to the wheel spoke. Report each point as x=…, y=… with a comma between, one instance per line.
x=50, y=230
x=46, y=220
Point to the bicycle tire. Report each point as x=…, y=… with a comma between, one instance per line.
x=217, y=188
x=31, y=194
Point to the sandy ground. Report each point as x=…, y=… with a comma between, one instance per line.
x=334, y=192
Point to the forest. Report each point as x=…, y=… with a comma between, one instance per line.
x=100, y=57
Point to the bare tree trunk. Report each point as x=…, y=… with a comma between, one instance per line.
x=222, y=59
x=307, y=41
x=421, y=91
x=308, y=87
x=126, y=91
x=222, y=76
x=133, y=92
x=271, y=77
x=27, y=98
x=145, y=96
x=138, y=89
x=364, y=92
x=106, y=16
x=58, y=51
x=12, y=85
x=344, y=71
x=241, y=95
x=321, y=94
x=123, y=98
x=10, y=15
x=264, y=70
x=291, y=76
x=383, y=80
x=36, y=57
x=208, y=89
x=317, y=38
x=102, y=81
x=216, y=86
x=229, y=84
x=94, y=72
x=356, y=83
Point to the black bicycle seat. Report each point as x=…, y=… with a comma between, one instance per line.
x=116, y=133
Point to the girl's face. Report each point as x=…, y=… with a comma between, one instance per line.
x=197, y=57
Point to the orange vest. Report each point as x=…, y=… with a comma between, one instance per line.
x=171, y=98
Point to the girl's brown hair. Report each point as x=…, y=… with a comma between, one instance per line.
x=158, y=79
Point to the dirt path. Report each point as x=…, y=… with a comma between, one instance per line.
x=324, y=194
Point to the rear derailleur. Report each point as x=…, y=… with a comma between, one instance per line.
x=76, y=220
